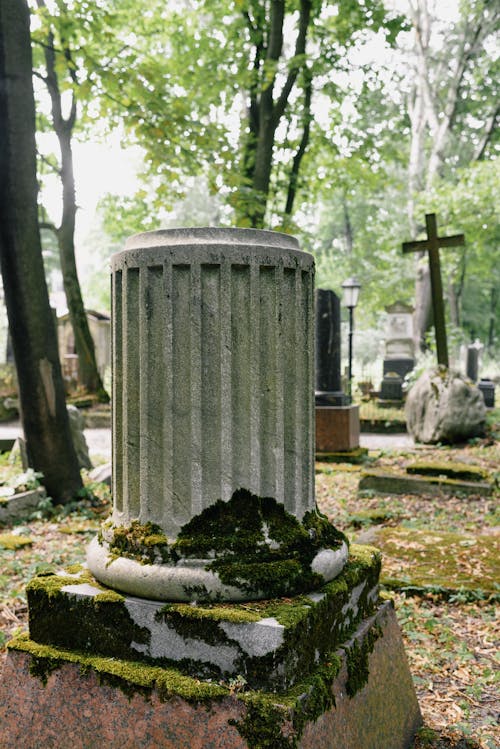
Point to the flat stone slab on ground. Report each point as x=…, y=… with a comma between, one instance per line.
x=272, y=644
x=354, y=456
x=383, y=482
x=437, y=560
x=59, y=698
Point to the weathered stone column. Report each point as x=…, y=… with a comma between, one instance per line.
x=213, y=420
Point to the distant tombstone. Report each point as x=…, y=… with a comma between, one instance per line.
x=328, y=350
x=472, y=365
x=399, y=356
x=487, y=388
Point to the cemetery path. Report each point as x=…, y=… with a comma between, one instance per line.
x=99, y=440
x=380, y=441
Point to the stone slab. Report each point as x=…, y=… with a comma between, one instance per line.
x=263, y=642
x=389, y=483
x=438, y=561
x=337, y=428
x=355, y=456
x=59, y=698
x=19, y=505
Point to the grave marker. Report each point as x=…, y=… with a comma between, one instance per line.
x=432, y=244
x=213, y=501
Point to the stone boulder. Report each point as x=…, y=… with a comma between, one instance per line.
x=444, y=406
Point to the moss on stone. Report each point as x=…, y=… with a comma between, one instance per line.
x=251, y=543
x=145, y=543
x=74, y=569
x=439, y=560
x=277, y=721
x=55, y=616
x=12, y=541
x=129, y=676
x=230, y=613
x=457, y=471
x=357, y=657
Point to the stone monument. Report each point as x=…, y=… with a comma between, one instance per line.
x=337, y=420
x=399, y=357
x=161, y=642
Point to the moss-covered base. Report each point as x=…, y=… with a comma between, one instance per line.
x=247, y=548
x=268, y=643
x=114, y=703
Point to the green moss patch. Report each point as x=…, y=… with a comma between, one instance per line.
x=447, y=561
x=130, y=676
x=11, y=541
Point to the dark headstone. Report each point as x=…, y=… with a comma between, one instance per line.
x=328, y=350
x=400, y=367
x=391, y=388
x=487, y=387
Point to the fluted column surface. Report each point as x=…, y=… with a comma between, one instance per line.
x=213, y=373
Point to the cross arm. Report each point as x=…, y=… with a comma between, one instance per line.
x=417, y=246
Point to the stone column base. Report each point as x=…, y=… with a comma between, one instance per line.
x=363, y=697
x=337, y=428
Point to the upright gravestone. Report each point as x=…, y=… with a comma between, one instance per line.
x=213, y=502
x=472, y=363
x=337, y=421
x=328, y=350
x=399, y=357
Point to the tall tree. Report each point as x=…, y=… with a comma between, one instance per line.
x=57, y=55
x=43, y=407
x=229, y=92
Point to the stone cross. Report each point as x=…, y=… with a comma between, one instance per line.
x=213, y=420
x=432, y=245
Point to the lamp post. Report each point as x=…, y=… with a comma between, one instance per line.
x=350, y=289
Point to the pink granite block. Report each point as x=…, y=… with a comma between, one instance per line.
x=75, y=710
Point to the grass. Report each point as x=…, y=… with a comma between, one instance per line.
x=450, y=640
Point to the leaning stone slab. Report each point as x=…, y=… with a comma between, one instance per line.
x=362, y=697
x=19, y=505
x=273, y=644
x=391, y=483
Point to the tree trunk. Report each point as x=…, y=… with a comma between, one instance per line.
x=63, y=127
x=493, y=316
x=43, y=407
x=87, y=366
x=267, y=108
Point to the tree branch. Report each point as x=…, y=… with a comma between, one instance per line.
x=300, y=48
x=304, y=141
x=488, y=132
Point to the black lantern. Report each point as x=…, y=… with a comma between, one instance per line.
x=350, y=296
